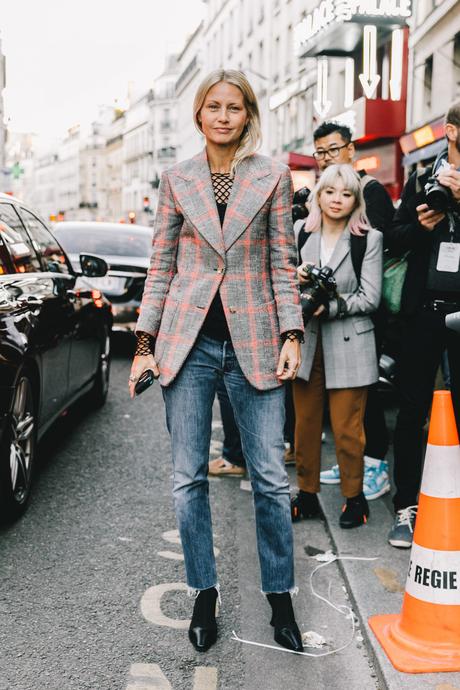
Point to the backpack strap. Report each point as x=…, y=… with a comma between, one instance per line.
x=358, y=246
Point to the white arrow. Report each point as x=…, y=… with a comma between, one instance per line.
x=369, y=78
x=322, y=105
x=397, y=48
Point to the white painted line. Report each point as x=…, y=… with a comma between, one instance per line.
x=172, y=536
x=147, y=677
x=205, y=678
x=217, y=424
x=245, y=485
x=172, y=555
x=151, y=606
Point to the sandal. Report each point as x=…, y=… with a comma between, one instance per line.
x=221, y=467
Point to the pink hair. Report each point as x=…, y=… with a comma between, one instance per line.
x=358, y=223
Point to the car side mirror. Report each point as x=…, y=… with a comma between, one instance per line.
x=93, y=266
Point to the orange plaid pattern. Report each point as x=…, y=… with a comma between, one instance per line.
x=251, y=259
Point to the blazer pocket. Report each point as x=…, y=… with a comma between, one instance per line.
x=363, y=325
x=169, y=313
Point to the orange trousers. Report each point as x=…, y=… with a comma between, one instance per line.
x=347, y=407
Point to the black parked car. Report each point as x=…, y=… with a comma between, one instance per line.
x=54, y=342
x=126, y=249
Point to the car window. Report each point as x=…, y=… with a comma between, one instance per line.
x=117, y=242
x=46, y=245
x=17, y=241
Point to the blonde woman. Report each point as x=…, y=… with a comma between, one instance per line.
x=339, y=354
x=221, y=301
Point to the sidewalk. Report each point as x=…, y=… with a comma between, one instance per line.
x=375, y=587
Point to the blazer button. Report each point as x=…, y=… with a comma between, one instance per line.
x=347, y=338
x=232, y=310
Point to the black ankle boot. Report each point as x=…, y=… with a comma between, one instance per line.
x=202, y=632
x=287, y=633
x=305, y=505
x=355, y=512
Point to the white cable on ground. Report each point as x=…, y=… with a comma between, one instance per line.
x=345, y=610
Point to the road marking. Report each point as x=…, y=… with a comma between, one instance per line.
x=205, y=678
x=171, y=555
x=151, y=606
x=147, y=677
x=151, y=677
x=172, y=536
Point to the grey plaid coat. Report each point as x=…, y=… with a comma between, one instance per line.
x=350, y=358
x=251, y=260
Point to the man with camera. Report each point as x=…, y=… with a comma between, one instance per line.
x=426, y=228
x=333, y=145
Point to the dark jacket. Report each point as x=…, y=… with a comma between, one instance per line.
x=379, y=207
x=406, y=234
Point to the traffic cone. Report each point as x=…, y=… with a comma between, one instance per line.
x=425, y=636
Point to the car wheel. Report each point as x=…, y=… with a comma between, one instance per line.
x=100, y=390
x=17, y=452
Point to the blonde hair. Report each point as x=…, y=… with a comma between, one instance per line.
x=357, y=223
x=251, y=137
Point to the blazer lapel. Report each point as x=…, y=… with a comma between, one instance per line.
x=341, y=250
x=254, y=182
x=196, y=196
x=312, y=249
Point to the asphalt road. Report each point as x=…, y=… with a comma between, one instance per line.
x=92, y=582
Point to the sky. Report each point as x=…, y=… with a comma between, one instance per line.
x=65, y=58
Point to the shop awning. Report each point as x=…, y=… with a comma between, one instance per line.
x=299, y=161
x=425, y=152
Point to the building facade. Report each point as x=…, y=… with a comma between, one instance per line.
x=434, y=78
x=190, y=73
x=138, y=145
x=112, y=205
x=164, y=119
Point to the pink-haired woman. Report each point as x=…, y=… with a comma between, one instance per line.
x=339, y=355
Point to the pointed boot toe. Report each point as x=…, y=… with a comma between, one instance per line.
x=202, y=638
x=289, y=637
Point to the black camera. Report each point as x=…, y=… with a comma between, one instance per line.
x=438, y=197
x=320, y=289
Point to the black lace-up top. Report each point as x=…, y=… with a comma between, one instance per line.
x=215, y=324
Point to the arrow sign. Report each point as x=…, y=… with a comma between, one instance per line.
x=369, y=78
x=322, y=105
x=397, y=50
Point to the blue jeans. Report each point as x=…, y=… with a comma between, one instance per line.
x=260, y=418
x=231, y=449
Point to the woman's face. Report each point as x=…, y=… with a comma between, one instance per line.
x=223, y=115
x=336, y=202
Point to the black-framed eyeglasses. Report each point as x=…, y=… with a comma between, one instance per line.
x=333, y=152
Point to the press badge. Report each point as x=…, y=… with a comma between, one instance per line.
x=448, y=257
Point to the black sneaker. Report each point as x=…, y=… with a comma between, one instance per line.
x=305, y=505
x=355, y=512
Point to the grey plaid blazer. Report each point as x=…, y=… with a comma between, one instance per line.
x=350, y=358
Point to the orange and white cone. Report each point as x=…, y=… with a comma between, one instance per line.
x=425, y=636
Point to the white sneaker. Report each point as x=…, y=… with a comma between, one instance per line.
x=331, y=476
